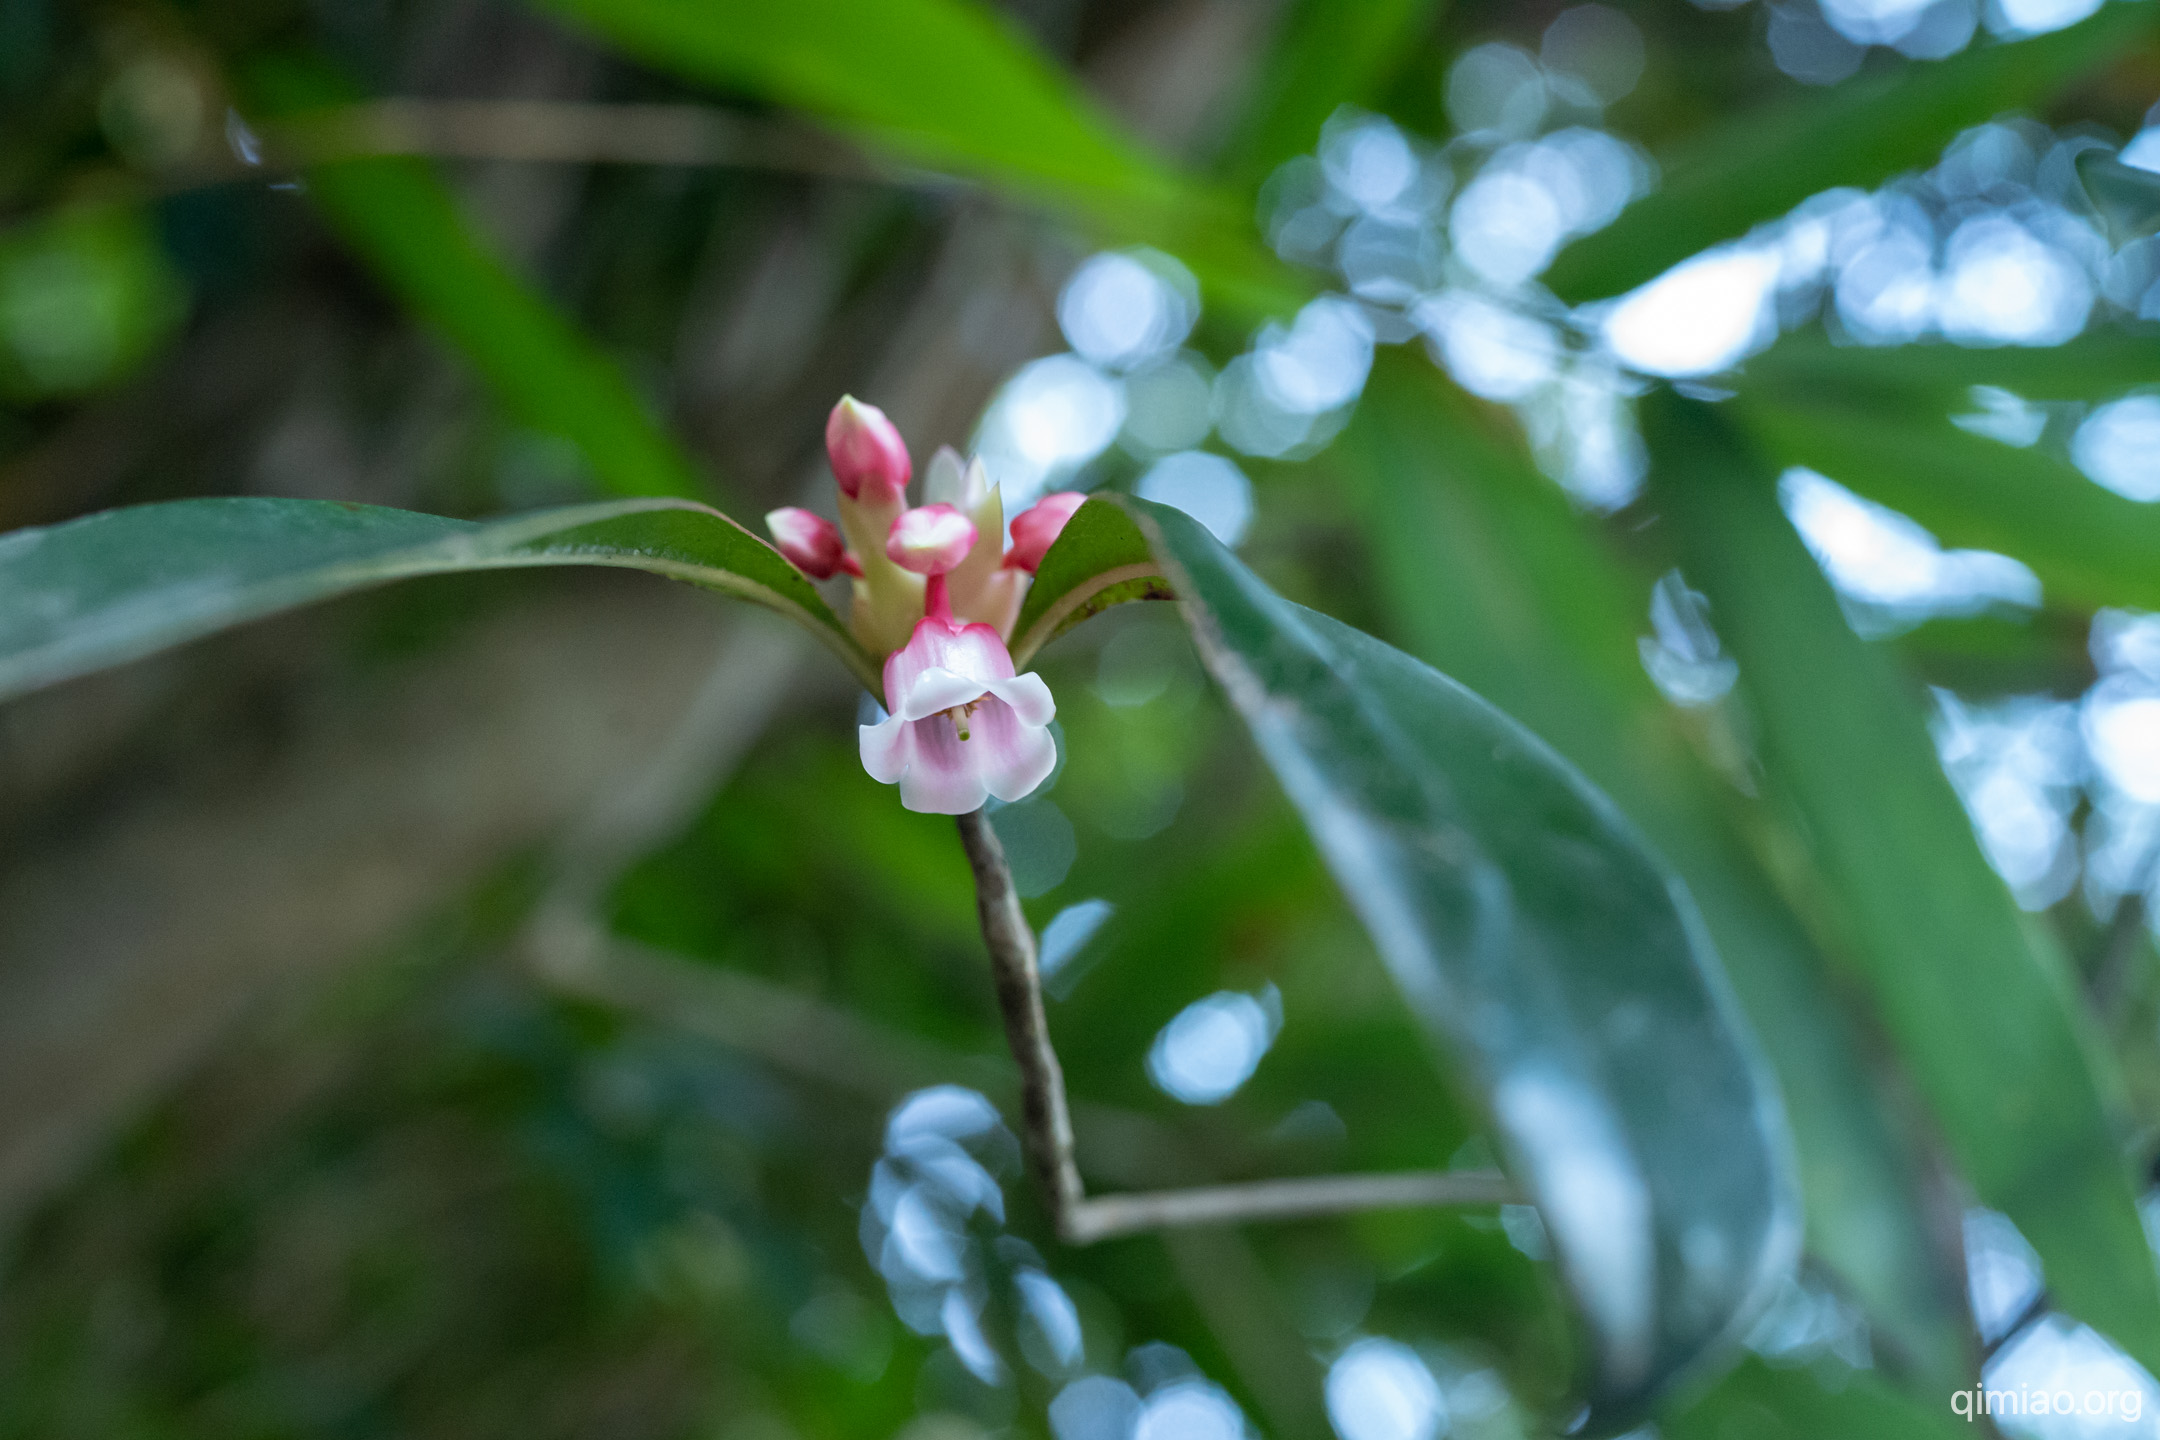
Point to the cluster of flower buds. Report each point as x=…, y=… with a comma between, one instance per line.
x=936, y=594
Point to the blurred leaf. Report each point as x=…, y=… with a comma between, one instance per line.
x=1100, y=559
x=1492, y=576
x=2126, y=197
x=2000, y=653
x=1982, y=1010
x=947, y=84
x=116, y=586
x=1756, y=166
x=1807, y=367
x=944, y=82
x=1541, y=944
x=406, y=226
x=2089, y=545
x=1329, y=53
x=1767, y=1402
x=85, y=295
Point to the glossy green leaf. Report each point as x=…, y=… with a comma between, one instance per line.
x=1981, y=1009
x=116, y=586
x=1491, y=576
x=2089, y=545
x=1544, y=948
x=1100, y=559
x=1758, y=165
x=406, y=226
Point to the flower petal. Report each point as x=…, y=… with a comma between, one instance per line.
x=980, y=651
x=810, y=542
x=930, y=539
x=1012, y=758
x=887, y=749
x=1036, y=529
x=927, y=648
x=971, y=578
x=994, y=599
x=869, y=458
x=938, y=689
x=950, y=481
x=945, y=777
x=1029, y=698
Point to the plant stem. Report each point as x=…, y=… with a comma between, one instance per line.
x=1108, y=1216
x=1048, y=1121
x=1027, y=1029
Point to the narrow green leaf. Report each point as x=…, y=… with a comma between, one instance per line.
x=1982, y=1011
x=1100, y=559
x=1757, y=166
x=1493, y=578
x=116, y=586
x=2089, y=545
x=1547, y=951
x=1806, y=366
x=1329, y=53
x=1765, y=1402
x=404, y=224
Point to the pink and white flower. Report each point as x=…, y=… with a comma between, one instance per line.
x=964, y=727
x=936, y=592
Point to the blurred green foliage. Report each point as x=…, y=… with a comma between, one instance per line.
x=455, y=1195
x=86, y=295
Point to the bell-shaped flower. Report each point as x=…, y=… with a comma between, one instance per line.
x=1036, y=529
x=964, y=727
x=811, y=543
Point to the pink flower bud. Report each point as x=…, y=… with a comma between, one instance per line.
x=930, y=539
x=1036, y=528
x=869, y=458
x=810, y=542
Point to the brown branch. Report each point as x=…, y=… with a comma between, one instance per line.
x=1048, y=1122
x=1107, y=1216
x=1043, y=1110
